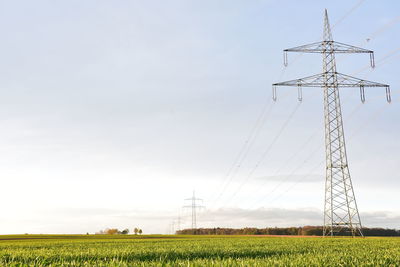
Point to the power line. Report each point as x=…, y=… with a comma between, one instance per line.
x=245, y=149
x=301, y=149
x=381, y=61
x=352, y=134
x=348, y=13
x=384, y=28
x=368, y=121
x=355, y=132
x=337, y=23
x=239, y=159
x=287, y=177
x=362, y=125
x=266, y=151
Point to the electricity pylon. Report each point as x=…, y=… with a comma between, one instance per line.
x=194, y=208
x=340, y=211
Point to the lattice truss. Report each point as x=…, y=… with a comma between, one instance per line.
x=342, y=80
x=340, y=211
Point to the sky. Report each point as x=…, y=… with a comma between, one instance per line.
x=113, y=112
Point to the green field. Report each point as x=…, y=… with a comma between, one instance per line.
x=76, y=250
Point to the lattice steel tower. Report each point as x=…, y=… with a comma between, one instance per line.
x=340, y=211
x=194, y=206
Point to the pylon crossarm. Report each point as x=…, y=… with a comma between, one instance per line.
x=321, y=47
x=343, y=80
x=350, y=81
x=331, y=46
x=310, y=81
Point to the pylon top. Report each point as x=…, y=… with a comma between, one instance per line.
x=327, y=28
x=330, y=47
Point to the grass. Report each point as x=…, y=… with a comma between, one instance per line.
x=164, y=250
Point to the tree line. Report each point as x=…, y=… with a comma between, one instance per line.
x=305, y=231
x=115, y=231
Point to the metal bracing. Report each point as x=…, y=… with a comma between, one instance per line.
x=343, y=80
x=319, y=47
x=318, y=80
x=340, y=211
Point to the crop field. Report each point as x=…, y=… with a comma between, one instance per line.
x=153, y=250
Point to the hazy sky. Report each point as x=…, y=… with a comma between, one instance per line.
x=113, y=112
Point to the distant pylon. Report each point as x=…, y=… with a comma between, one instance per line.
x=340, y=211
x=194, y=208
